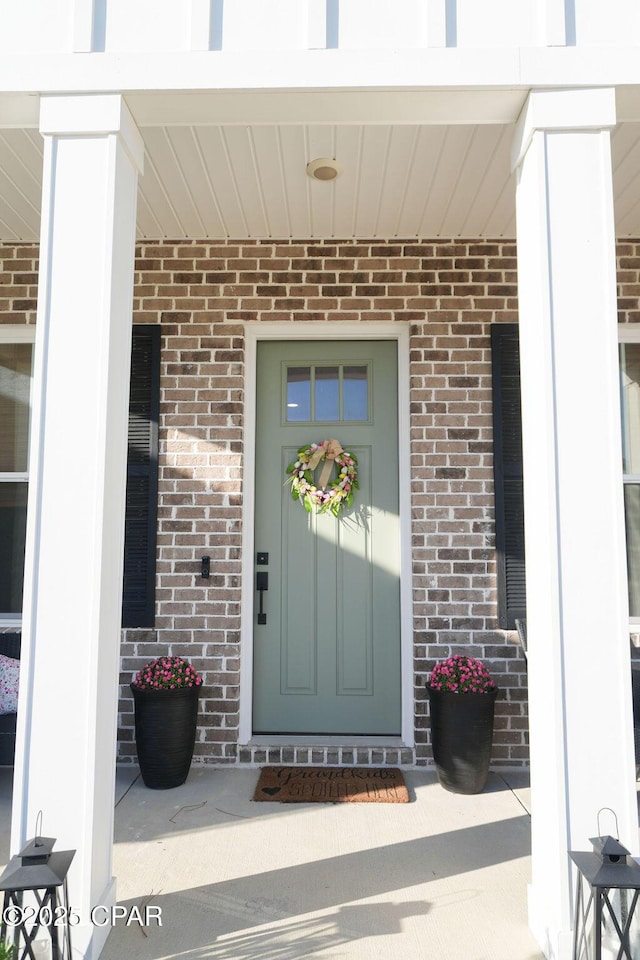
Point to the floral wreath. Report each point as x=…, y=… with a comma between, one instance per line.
x=323, y=495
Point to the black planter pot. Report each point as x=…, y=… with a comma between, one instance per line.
x=461, y=737
x=165, y=734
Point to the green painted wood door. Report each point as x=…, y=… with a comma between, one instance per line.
x=327, y=661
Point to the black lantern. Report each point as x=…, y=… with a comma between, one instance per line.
x=44, y=874
x=607, y=892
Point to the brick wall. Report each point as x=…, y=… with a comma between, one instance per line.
x=628, y=276
x=201, y=293
x=18, y=283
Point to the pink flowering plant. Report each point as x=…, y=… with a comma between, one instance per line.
x=460, y=674
x=166, y=673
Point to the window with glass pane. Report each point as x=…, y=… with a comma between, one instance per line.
x=13, y=519
x=15, y=385
x=327, y=393
x=355, y=393
x=632, y=521
x=630, y=408
x=298, y=394
x=330, y=394
x=15, y=389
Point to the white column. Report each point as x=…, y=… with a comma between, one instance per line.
x=73, y=570
x=577, y=618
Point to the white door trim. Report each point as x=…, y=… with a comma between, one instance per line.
x=325, y=331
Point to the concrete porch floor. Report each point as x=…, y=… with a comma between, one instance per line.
x=444, y=876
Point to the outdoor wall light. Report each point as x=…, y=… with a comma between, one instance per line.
x=324, y=168
x=44, y=874
x=607, y=891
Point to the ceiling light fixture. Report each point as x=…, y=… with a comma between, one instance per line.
x=324, y=168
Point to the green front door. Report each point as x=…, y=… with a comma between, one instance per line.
x=327, y=660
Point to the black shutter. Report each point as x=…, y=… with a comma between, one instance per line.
x=508, y=474
x=138, y=598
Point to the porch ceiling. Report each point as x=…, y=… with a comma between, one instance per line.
x=245, y=178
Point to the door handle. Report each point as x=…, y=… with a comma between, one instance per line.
x=262, y=584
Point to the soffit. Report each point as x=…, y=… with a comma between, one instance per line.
x=246, y=179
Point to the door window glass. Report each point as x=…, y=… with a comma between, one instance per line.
x=327, y=393
x=298, y=394
x=356, y=393
x=327, y=406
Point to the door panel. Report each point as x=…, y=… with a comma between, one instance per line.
x=327, y=661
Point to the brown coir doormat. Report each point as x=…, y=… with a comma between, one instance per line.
x=331, y=785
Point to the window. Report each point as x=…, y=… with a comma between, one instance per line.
x=508, y=468
x=630, y=412
x=327, y=394
x=16, y=365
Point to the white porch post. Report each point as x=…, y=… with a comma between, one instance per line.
x=73, y=571
x=577, y=619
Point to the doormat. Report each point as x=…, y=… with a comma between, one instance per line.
x=331, y=785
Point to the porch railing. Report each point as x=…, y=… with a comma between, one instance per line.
x=296, y=25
